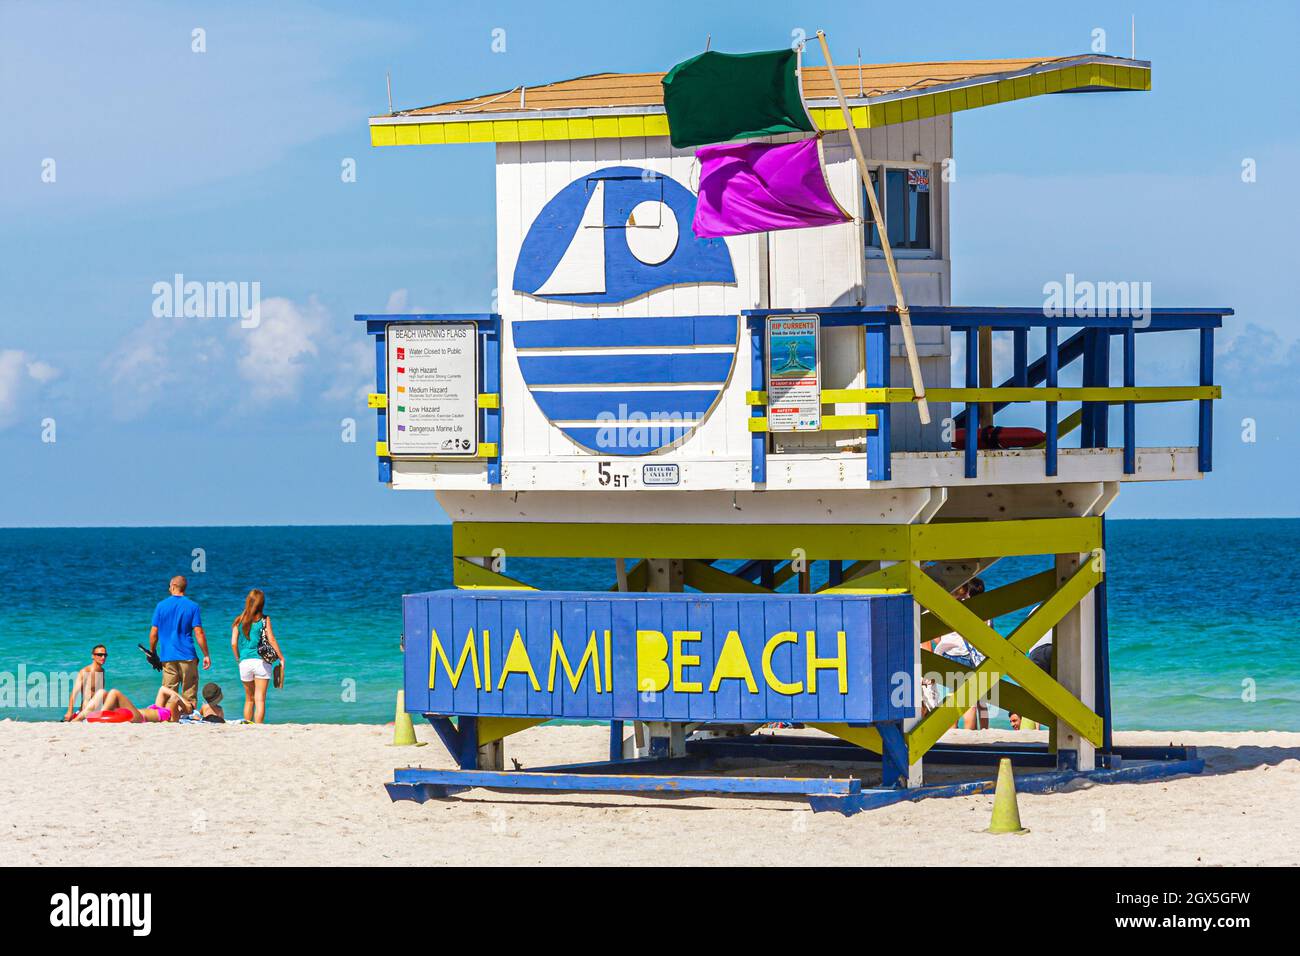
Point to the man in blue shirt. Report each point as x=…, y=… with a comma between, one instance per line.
x=176, y=627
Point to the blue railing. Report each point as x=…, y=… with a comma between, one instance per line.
x=1036, y=381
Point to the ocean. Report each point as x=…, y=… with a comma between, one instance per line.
x=1200, y=613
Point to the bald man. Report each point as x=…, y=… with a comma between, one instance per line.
x=177, y=625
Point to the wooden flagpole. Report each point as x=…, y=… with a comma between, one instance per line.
x=904, y=315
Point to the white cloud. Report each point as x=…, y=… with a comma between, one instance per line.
x=21, y=376
x=278, y=353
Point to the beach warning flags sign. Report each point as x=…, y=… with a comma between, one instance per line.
x=719, y=97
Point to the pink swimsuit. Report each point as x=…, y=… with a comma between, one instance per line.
x=164, y=714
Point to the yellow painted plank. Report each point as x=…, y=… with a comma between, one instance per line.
x=530, y=131
x=861, y=116
x=376, y=400
x=605, y=127
x=1052, y=81
x=893, y=112
x=1037, y=84
x=383, y=135
x=1022, y=88
x=876, y=112
x=631, y=126
x=553, y=129
x=965, y=539
x=1005, y=656
x=467, y=574
x=489, y=400
x=506, y=131
x=498, y=728
x=830, y=423
x=656, y=125
x=942, y=103
x=487, y=449
x=925, y=107
x=1009, y=696
x=910, y=111
x=868, y=738
x=705, y=577
x=582, y=127
x=408, y=134
x=456, y=132
x=993, y=604
x=481, y=133
x=891, y=580
x=432, y=134
x=715, y=541
x=381, y=449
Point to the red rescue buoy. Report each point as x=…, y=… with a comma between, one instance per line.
x=998, y=437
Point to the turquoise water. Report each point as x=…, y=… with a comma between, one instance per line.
x=1196, y=609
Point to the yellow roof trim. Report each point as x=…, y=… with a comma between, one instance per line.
x=1088, y=73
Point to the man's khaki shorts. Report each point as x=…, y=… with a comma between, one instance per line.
x=182, y=677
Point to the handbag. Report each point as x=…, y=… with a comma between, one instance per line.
x=264, y=649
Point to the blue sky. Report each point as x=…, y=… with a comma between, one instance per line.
x=226, y=165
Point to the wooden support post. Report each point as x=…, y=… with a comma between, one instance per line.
x=1074, y=656
x=657, y=738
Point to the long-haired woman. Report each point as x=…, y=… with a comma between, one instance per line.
x=257, y=652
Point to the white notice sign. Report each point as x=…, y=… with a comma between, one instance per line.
x=794, y=392
x=432, y=389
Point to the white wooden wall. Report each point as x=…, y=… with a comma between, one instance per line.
x=798, y=269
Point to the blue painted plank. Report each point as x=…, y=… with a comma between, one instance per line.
x=650, y=703
x=439, y=621
x=1130, y=408
x=700, y=617
x=828, y=623
x=776, y=618
x=758, y=382
x=514, y=620
x=636, y=783
x=628, y=440
x=971, y=411
x=599, y=619
x=615, y=405
x=539, y=614
x=574, y=637
x=880, y=442
x=677, y=705
x=415, y=628
x=803, y=618
x=1051, y=370
x=1205, y=421
x=624, y=333
x=752, y=637
x=489, y=631
x=648, y=369
x=726, y=699
x=464, y=621
x=623, y=619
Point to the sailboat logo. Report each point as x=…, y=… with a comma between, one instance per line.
x=616, y=234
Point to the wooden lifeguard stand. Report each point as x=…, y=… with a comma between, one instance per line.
x=616, y=405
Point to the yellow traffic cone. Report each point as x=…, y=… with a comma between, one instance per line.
x=1006, y=814
x=403, y=729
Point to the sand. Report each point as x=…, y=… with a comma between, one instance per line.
x=313, y=795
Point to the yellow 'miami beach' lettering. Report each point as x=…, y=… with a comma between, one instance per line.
x=470, y=651
x=733, y=664
x=589, y=656
x=682, y=661
x=838, y=663
x=651, y=661
x=518, y=662
x=774, y=682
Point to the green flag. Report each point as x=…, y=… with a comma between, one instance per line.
x=716, y=97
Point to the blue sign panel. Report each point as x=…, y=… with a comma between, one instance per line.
x=687, y=657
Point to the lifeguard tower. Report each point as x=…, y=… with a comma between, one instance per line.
x=731, y=421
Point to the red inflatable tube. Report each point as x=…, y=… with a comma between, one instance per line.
x=995, y=436
x=121, y=715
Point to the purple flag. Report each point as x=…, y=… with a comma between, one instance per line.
x=755, y=187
